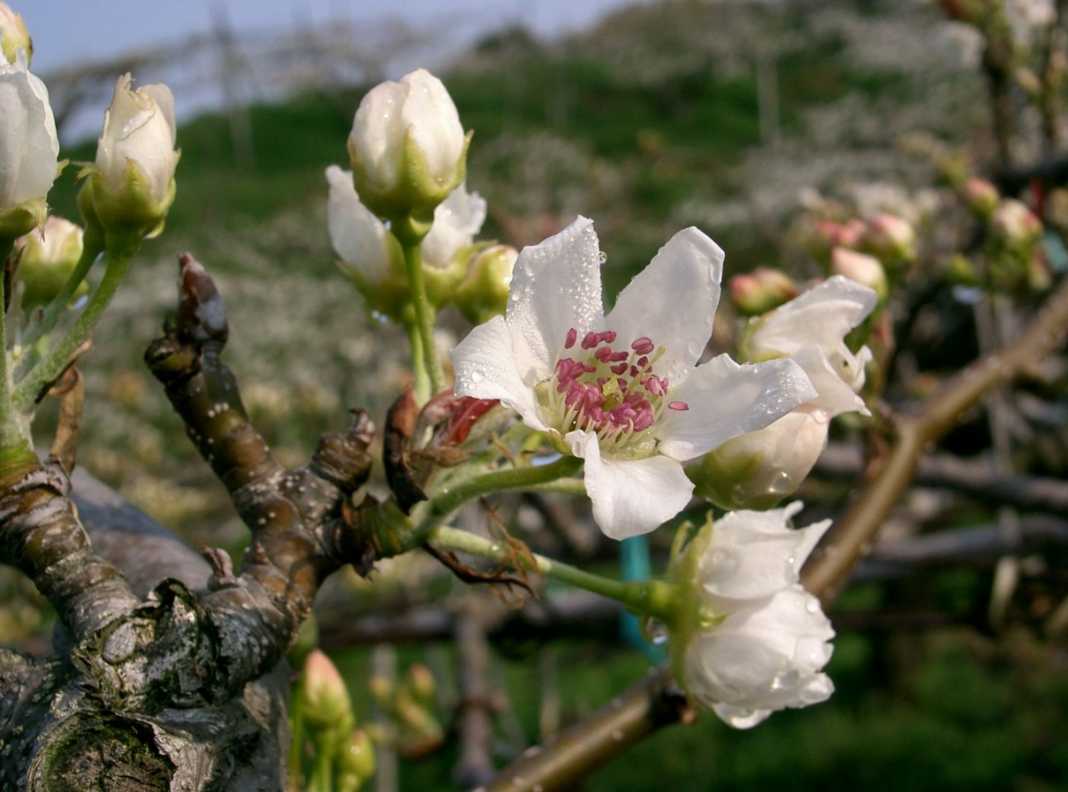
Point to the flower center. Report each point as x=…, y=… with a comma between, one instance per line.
x=609, y=389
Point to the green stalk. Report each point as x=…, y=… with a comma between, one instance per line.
x=451, y=497
x=422, y=386
x=648, y=597
x=295, y=765
x=424, y=314
x=56, y=358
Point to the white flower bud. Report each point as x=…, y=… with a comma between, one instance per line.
x=761, y=290
x=368, y=253
x=15, y=44
x=860, y=267
x=407, y=146
x=891, y=238
x=46, y=258
x=29, y=151
x=758, y=469
x=133, y=182
x=981, y=195
x=755, y=640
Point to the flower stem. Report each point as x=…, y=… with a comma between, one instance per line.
x=424, y=315
x=422, y=386
x=647, y=597
x=55, y=359
x=451, y=497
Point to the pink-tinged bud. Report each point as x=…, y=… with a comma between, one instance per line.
x=1015, y=223
x=860, y=267
x=890, y=238
x=982, y=196
x=324, y=697
x=16, y=48
x=835, y=234
x=761, y=290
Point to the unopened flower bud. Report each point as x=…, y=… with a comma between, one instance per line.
x=132, y=181
x=961, y=270
x=421, y=682
x=860, y=267
x=29, y=151
x=1015, y=223
x=447, y=246
x=323, y=693
x=355, y=761
x=891, y=238
x=46, y=258
x=758, y=469
x=15, y=44
x=483, y=293
x=981, y=195
x=761, y=290
x=407, y=146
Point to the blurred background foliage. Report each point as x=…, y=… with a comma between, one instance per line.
x=662, y=115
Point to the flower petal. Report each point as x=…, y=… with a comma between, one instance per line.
x=755, y=554
x=630, y=496
x=556, y=286
x=485, y=368
x=835, y=394
x=673, y=301
x=359, y=238
x=821, y=317
x=456, y=221
x=725, y=399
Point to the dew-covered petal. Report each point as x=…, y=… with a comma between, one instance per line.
x=556, y=286
x=630, y=496
x=456, y=221
x=673, y=301
x=485, y=368
x=725, y=399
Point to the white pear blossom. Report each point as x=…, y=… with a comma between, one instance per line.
x=811, y=330
x=137, y=143
x=623, y=391
x=407, y=145
x=759, y=469
x=16, y=47
x=362, y=242
x=456, y=221
x=29, y=148
x=754, y=640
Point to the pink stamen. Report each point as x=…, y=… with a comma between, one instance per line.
x=634, y=371
x=590, y=340
x=643, y=361
x=609, y=336
x=615, y=357
x=619, y=368
x=572, y=337
x=653, y=386
x=643, y=345
x=678, y=405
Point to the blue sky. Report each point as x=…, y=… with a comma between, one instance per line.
x=66, y=31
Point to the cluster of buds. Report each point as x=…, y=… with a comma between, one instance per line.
x=325, y=735
x=408, y=154
x=412, y=727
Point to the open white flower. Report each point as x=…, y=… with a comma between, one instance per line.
x=759, y=469
x=456, y=221
x=29, y=148
x=754, y=640
x=623, y=391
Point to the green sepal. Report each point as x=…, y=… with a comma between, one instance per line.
x=22, y=218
